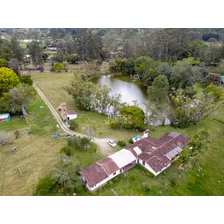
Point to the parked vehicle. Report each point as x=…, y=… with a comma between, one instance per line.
x=111, y=143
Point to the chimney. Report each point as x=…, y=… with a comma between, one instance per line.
x=146, y=134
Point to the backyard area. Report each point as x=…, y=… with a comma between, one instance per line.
x=36, y=153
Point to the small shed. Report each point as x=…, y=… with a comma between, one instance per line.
x=4, y=117
x=71, y=115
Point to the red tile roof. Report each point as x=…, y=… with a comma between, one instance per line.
x=155, y=150
x=109, y=165
x=93, y=174
x=153, y=153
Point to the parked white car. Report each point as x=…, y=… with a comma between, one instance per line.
x=111, y=143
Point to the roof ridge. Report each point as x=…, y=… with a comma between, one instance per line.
x=103, y=168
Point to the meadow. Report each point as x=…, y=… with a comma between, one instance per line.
x=204, y=177
x=37, y=153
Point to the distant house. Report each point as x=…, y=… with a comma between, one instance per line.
x=4, y=117
x=66, y=115
x=155, y=155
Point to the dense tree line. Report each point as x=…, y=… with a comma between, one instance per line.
x=167, y=45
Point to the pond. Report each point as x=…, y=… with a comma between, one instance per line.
x=130, y=89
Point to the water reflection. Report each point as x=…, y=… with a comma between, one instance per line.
x=127, y=87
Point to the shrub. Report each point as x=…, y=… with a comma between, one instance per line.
x=130, y=141
x=83, y=103
x=58, y=66
x=74, y=141
x=85, y=143
x=26, y=79
x=3, y=62
x=114, y=123
x=66, y=150
x=72, y=58
x=73, y=125
x=117, y=65
x=121, y=143
x=45, y=186
x=214, y=78
x=189, y=91
x=129, y=67
x=172, y=182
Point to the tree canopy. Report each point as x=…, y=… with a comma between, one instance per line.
x=132, y=117
x=8, y=80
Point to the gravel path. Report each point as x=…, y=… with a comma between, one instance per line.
x=102, y=143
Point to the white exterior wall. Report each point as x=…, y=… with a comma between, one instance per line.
x=72, y=116
x=150, y=169
x=103, y=181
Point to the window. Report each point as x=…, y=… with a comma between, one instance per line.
x=143, y=163
x=114, y=173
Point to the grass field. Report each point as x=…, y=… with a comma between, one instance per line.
x=71, y=67
x=36, y=153
x=51, y=84
x=206, y=178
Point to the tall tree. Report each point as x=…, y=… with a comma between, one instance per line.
x=158, y=98
x=102, y=98
x=88, y=44
x=17, y=51
x=14, y=65
x=36, y=53
x=81, y=41
x=132, y=117
x=158, y=92
x=182, y=75
x=19, y=97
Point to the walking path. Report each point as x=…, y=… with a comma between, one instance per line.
x=102, y=143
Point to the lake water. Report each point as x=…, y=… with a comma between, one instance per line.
x=129, y=89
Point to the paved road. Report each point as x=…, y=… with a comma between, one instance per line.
x=102, y=143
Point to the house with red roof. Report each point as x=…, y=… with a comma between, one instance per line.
x=155, y=155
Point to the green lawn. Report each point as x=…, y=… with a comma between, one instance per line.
x=52, y=86
x=205, y=178
x=36, y=154
x=39, y=150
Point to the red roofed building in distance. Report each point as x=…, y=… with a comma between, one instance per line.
x=155, y=155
